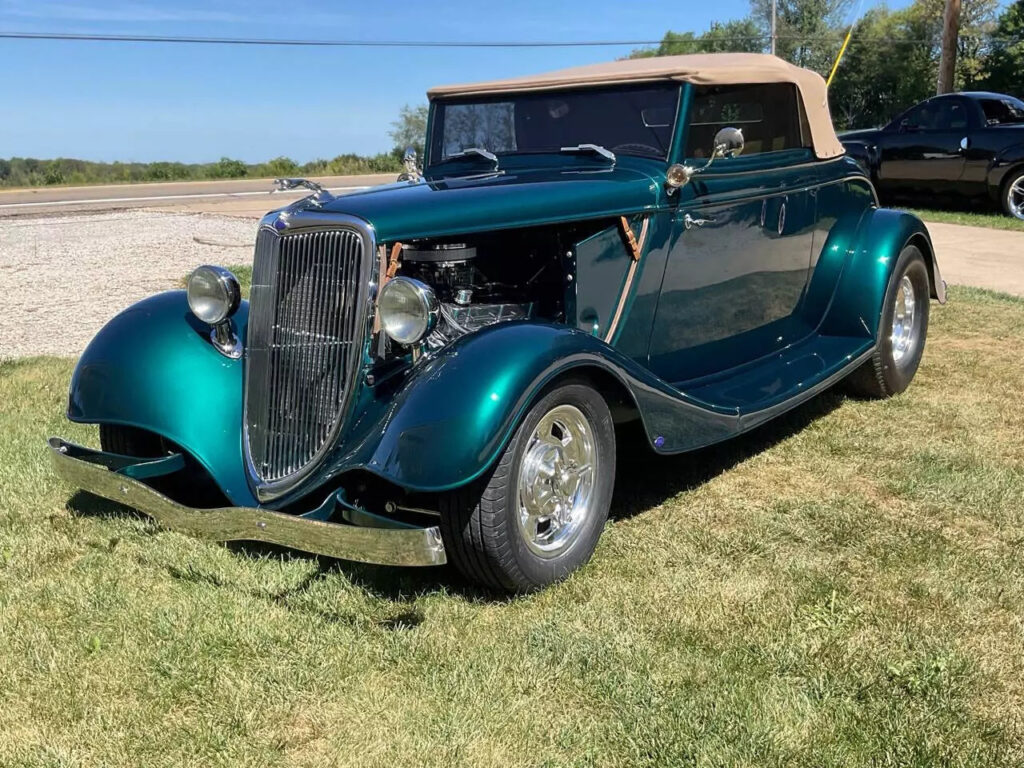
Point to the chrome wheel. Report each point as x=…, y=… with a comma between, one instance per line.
x=904, y=329
x=555, y=489
x=1015, y=198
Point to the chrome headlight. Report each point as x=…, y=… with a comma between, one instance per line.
x=408, y=310
x=213, y=294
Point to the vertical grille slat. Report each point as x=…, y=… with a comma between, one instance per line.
x=303, y=347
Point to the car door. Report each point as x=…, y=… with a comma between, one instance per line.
x=924, y=151
x=739, y=255
x=998, y=124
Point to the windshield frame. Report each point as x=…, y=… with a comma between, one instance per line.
x=435, y=122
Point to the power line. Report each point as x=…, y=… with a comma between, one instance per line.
x=61, y=36
x=319, y=43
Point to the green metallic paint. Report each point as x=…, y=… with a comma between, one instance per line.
x=856, y=308
x=153, y=367
x=602, y=263
x=442, y=422
x=540, y=193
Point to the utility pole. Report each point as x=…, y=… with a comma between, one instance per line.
x=775, y=9
x=950, y=34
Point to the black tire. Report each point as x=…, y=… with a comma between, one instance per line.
x=1010, y=198
x=192, y=486
x=131, y=441
x=883, y=375
x=480, y=523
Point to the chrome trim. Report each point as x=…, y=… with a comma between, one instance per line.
x=226, y=341
x=1015, y=198
x=597, y=149
x=382, y=546
x=227, y=281
x=428, y=301
x=319, y=196
x=630, y=276
x=557, y=481
x=303, y=222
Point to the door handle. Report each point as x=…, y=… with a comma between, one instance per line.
x=689, y=222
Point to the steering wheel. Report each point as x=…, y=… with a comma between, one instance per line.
x=646, y=149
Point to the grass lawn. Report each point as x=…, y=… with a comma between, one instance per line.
x=992, y=220
x=843, y=587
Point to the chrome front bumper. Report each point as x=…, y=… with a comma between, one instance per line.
x=104, y=474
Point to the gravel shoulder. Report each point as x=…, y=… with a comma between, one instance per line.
x=63, y=277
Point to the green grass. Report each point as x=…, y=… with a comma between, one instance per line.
x=991, y=220
x=844, y=587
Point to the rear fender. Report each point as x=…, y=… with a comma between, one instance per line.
x=1006, y=163
x=153, y=367
x=856, y=307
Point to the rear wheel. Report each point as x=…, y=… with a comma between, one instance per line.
x=539, y=512
x=902, y=330
x=1013, y=195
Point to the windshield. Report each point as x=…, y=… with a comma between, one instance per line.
x=1003, y=111
x=633, y=120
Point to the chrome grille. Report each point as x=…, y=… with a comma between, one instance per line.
x=303, y=349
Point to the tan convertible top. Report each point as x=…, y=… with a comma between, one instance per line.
x=698, y=68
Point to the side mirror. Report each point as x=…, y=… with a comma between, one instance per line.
x=729, y=142
x=410, y=166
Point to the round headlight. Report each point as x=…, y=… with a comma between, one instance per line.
x=213, y=294
x=408, y=309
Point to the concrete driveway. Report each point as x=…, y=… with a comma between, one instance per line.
x=980, y=257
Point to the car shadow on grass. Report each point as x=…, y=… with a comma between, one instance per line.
x=643, y=480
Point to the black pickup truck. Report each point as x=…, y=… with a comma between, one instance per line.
x=958, y=145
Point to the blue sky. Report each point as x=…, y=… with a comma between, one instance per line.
x=143, y=102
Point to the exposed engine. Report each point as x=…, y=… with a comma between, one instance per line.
x=482, y=283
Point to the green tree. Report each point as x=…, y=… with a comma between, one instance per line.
x=738, y=35
x=809, y=32
x=410, y=129
x=885, y=69
x=281, y=166
x=1006, y=57
x=226, y=168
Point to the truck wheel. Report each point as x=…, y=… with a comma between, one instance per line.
x=537, y=514
x=902, y=331
x=1013, y=195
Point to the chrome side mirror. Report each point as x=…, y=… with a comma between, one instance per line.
x=729, y=142
x=410, y=166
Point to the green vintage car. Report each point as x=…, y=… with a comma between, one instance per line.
x=438, y=369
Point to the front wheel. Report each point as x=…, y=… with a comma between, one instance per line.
x=1013, y=195
x=538, y=514
x=902, y=330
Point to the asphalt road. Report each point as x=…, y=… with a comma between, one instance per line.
x=232, y=197
x=985, y=258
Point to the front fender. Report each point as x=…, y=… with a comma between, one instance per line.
x=153, y=367
x=449, y=420
x=856, y=307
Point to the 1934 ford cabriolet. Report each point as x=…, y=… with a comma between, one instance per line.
x=436, y=369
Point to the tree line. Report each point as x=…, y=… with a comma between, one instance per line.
x=891, y=63
x=893, y=58
x=31, y=172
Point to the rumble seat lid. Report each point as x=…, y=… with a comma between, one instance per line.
x=700, y=69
